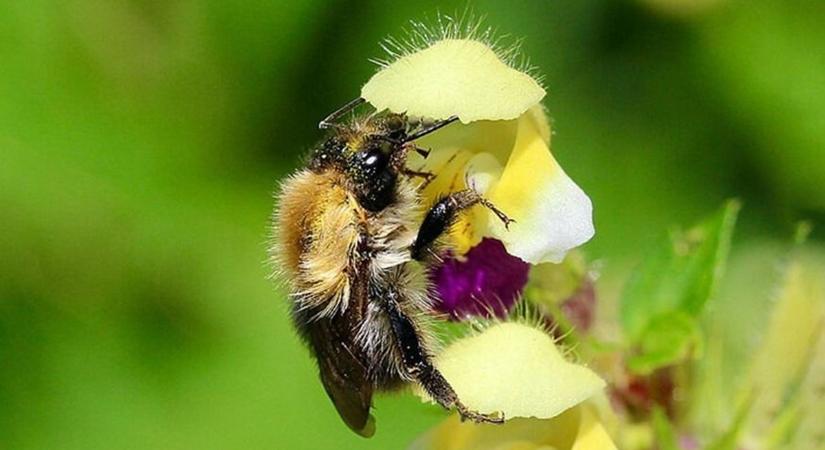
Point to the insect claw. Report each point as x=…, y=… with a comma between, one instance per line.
x=496, y=417
x=504, y=218
x=507, y=221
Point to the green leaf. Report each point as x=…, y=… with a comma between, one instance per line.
x=667, y=339
x=663, y=300
x=678, y=278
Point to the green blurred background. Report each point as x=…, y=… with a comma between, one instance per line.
x=141, y=141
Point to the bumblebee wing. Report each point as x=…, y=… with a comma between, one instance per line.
x=343, y=373
x=346, y=383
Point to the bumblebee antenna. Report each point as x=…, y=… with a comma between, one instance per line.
x=434, y=127
x=329, y=121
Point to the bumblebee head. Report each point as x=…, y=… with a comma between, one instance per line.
x=377, y=155
x=371, y=154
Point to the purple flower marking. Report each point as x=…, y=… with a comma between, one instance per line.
x=487, y=280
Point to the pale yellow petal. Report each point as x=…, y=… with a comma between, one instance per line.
x=495, y=137
x=538, y=115
x=452, y=434
x=515, y=369
x=461, y=77
x=578, y=428
x=592, y=434
x=483, y=172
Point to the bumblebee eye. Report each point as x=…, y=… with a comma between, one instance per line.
x=374, y=158
x=374, y=178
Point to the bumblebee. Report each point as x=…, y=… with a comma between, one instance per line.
x=355, y=261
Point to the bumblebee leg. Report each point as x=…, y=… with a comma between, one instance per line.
x=418, y=365
x=444, y=213
x=427, y=176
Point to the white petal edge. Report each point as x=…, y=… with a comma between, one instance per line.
x=562, y=219
x=553, y=215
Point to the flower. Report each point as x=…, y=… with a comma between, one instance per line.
x=517, y=369
x=501, y=148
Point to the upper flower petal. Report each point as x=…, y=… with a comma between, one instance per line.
x=461, y=77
